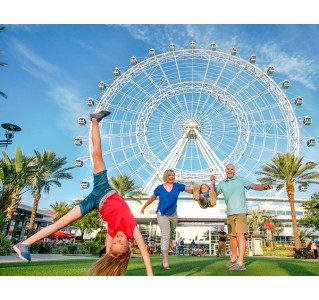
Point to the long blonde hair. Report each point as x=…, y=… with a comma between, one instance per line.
x=110, y=265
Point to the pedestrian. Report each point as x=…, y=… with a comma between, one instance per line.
x=314, y=249
x=166, y=211
x=181, y=244
x=233, y=188
x=222, y=235
x=113, y=209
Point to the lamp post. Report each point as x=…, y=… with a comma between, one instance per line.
x=9, y=134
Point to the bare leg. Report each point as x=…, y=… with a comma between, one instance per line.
x=241, y=247
x=233, y=247
x=165, y=259
x=71, y=216
x=98, y=163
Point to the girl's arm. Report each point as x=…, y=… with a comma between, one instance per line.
x=146, y=257
x=108, y=243
x=148, y=202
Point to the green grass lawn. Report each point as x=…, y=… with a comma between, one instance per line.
x=180, y=266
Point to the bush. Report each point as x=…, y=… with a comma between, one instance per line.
x=41, y=248
x=5, y=246
x=92, y=247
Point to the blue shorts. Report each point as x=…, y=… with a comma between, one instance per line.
x=101, y=187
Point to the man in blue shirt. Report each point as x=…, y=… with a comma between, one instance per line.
x=233, y=188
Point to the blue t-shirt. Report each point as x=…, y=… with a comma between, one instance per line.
x=167, y=203
x=234, y=194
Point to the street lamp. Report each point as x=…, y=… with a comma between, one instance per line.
x=9, y=134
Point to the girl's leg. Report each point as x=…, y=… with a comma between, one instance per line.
x=98, y=163
x=73, y=215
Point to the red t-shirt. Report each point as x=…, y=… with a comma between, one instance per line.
x=118, y=216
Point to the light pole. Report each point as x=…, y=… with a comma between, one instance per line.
x=9, y=134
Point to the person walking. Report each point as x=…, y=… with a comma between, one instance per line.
x=166, y=211
x=233, y=188
x=122, y=226
x=221, y=251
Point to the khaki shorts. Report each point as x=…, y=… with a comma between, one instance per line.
x=237, y=224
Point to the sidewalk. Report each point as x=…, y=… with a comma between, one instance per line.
x=41, y=257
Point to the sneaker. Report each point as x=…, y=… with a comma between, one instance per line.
x=237, y=267
x=212, y=198
x=23, y=251
x=99, y=115
x=231, y=263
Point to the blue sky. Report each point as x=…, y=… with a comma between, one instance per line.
x=52, y=70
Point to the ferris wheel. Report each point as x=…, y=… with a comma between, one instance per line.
x=195, y=111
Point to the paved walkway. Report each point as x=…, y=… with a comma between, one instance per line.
x=40, y=257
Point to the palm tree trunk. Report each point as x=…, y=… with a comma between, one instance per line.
x=36, y=200
x=291, y=197
x=14, y=203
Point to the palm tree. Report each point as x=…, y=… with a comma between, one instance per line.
x=256, y=219
x=285, y=171
x=49, y=173
x=14, y=175
x=59, y=209
x=126, y=187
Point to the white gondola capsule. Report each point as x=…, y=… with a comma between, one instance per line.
x=192, y=45
x=78, y=163
x=116, y=71
x=78, y=141
x=82, y=121
x=310, y=163
x=311, y=142
x=270, y=70
x=171, y=47
x=90, y=102
x=252, y=59
x=298, y=101
x=213, y=46
x=133, y=61
x=233, y=51
x=85, y=184
x=303, y=187
x=102, y=85
x=307, y=120
x=152, y=52
x=285, y=84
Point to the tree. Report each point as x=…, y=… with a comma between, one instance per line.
x=89, y=222
x=126, y=187
x=256, y=219
x=285, y=171
x=311, y=213
x=59, y=209
x=49, y=172
x=14, y=175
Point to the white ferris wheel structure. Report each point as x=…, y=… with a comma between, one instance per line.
x=194, y=111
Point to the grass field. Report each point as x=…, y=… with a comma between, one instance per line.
x=180, y=266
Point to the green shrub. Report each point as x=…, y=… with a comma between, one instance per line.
x=5, y=246
x=278, y=252
x=41, y=248
x=92, y=247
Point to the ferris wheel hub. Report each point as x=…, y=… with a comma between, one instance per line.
x=190, y=125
